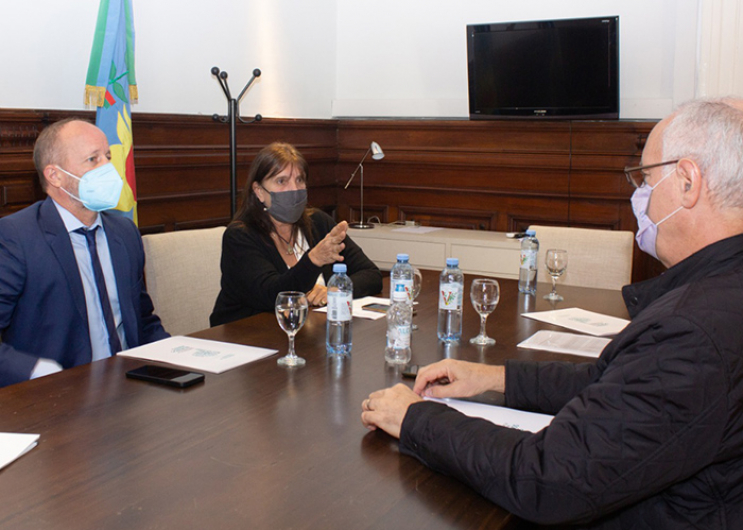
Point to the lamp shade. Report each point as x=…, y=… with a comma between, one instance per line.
x=376, y=151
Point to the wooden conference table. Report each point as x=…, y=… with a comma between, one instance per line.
x=259, y=446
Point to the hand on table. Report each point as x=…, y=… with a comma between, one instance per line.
x=451, y=378
x=385, y=409
x=329, y=249
x=318, y=296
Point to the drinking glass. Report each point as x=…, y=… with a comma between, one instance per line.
x=417, y=280
x=556, y=261
x=291, y=312
x=484, y=294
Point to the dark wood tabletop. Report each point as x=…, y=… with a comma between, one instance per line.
x=259, y=446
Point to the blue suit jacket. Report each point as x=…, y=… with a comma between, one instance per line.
x=42, y=302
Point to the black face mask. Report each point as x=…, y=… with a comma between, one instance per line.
x=287, y=206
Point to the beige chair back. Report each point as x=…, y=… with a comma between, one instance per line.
x=183, y=276
x=596, y=258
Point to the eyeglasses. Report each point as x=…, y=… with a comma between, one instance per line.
x=636, y=175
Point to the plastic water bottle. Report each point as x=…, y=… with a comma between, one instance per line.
x=401, y=277
x=399, y=324
x=451, y=287
x=340, y=312
x=528, y=269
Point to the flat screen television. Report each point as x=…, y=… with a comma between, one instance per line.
x=560, y=69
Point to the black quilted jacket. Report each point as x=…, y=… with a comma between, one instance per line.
x=648, y=437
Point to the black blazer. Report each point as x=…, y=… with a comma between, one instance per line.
x=253, y=271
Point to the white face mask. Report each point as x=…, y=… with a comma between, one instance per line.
x=647, y=230
x=99, y=188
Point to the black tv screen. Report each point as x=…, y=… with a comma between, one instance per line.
x=544, y=69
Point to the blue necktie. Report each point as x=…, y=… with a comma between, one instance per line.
x=100, y=283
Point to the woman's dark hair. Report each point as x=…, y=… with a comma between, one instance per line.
x=270, y=161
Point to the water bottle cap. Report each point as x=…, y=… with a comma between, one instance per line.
x=452, y=262
x=403, y=257
x=399, y=296
x=339, y=267
x=531, y=233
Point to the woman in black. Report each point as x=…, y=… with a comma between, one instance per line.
x=276, y=243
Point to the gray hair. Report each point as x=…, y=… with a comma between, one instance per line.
x=710, y=132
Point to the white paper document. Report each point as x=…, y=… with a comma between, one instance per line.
x=363, y=313
x=15, y=445
x=581, y=320
x=562, y=342
x=199, y=354
x=503, y=416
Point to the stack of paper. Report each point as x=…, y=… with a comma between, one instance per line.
x=581, y=320
x=199, y=354
x=14, y=445
x=505, y=417
x=561, y=342
x=358, y=305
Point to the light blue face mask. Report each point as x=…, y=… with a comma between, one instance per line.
x=99, y=188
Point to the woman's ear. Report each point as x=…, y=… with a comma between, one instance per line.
x=258, y=191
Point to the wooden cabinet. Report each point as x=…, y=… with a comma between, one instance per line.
x=480, y=252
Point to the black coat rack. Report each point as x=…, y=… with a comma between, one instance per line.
x=233, y=114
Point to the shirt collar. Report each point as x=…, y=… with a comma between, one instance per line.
x=71, y=222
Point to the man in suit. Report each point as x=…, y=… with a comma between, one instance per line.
x=56, y=253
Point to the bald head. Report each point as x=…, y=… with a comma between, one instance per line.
x=49, y=148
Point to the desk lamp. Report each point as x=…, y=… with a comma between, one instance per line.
x=377, y=154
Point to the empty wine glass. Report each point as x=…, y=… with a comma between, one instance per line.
x=556, y=261
x=291, y=312
x=484, y=294
x=417, y=280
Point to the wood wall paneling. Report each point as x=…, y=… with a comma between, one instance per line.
x=483, y=175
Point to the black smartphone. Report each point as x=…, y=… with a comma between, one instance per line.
x=410, y=371
x=379, y=308
x=166, y=376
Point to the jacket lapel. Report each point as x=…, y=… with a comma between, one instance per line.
x=59, y=241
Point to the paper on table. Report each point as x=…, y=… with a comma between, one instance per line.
x=505, y=417
x=581, y=320
x=14, y=445
x=561, y=342
x=199, y=354
x=362, y=313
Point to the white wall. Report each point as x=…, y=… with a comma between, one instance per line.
x=415, y=62
x=324, y=58
x=45, y=49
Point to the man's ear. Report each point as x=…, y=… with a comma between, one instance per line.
x=53, y=176
x=690, y=181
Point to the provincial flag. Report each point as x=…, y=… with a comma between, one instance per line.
x=112, y=87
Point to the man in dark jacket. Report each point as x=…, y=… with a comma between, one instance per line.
x=651, y=435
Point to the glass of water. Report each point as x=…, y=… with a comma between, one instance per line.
x=556, y=261
x=291, y=312
x=485, y=294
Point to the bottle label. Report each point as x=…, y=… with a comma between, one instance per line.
x=398, y=337
x=450, y=296
x=340, y=306
x=402, y=285
x=529, y=259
